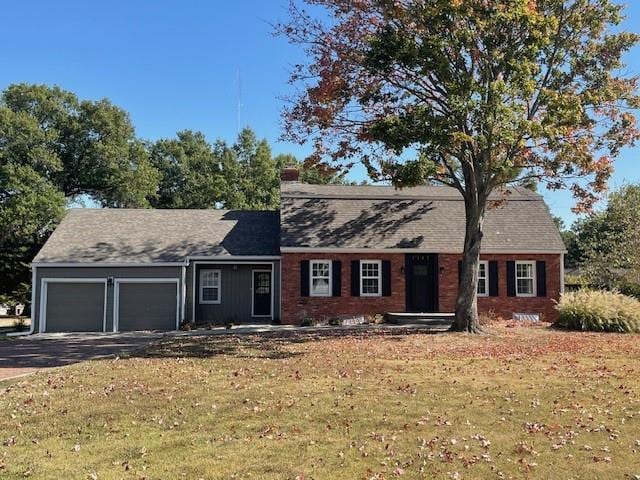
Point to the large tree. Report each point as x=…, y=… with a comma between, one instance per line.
x=56, y=149
x=474, y=94
x=191, y=172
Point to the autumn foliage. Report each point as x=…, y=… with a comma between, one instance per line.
x=477, y=95
x=522, y=403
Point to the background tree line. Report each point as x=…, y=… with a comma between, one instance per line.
x=603, y=248
x=57, y=150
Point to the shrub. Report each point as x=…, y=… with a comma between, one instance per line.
x=599, y=311
x=630, y=289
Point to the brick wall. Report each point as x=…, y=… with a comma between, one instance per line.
x=503, y=305
x=295, y=307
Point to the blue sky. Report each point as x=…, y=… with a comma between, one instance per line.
x=174, y=65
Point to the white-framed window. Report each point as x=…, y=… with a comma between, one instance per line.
x=210, y=286
x=370, y=278
x=320, y=278
x=525, y=279
x=483, y=278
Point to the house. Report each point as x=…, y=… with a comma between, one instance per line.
x=331, y=251
x=7, y=310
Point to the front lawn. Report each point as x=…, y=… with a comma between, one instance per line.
x=522, y=403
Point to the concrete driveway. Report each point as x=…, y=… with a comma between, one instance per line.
x=23, y=355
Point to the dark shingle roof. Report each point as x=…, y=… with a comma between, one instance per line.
x=144, y=236
x=427, y=218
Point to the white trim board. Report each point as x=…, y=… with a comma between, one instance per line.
x=234, y=258
x=183, y=297
x=414, y=250
x=116, y=296
x=44, y=282
x=105, y=264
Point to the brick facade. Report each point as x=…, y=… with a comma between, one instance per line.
x=295, y=307
x=503, y=305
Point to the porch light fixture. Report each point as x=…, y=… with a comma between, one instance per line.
x=441, y=270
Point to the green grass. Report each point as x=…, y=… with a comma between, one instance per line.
x=521, y=403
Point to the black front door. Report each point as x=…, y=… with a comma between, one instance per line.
x=261, y=293
x=421, y=272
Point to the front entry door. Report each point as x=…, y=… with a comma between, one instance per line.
x=422, y=282
x=261, y=293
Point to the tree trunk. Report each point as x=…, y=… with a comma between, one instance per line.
x=466, y=319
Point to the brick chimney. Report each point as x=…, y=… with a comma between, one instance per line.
x=290, y=173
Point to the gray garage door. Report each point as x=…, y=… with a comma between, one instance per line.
x=74, y=307
x=147, y=306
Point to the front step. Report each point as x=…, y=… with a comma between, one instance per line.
x=436, y=320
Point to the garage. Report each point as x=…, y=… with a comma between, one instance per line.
x=146, y=304
x=73, y=305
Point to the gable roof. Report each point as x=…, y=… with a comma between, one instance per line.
x=429, y=219
x=159, y=236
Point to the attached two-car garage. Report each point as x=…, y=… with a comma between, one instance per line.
x=109, y=304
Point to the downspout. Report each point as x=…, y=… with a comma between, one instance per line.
x=33, y=306
x=562, y=273
x=183, y=299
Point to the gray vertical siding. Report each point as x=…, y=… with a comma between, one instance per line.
x=98, y=272
x=236, y=293
x=236, y=288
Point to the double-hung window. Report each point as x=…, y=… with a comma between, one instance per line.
x=483, y=279
x=209, y=286
x=370, y=278
x=320, y=278
x=525, y=279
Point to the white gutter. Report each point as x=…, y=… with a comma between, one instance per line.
x=414, y=250
x=106, y=264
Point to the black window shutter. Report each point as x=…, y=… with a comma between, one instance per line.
x=541, y=279
x=304, y=278
x=511, y=279
x=355, y=278
x=459, y=272
x=386, y=278
x=336, y=278
x=493, y=278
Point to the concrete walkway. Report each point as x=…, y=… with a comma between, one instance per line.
x=267, y=328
